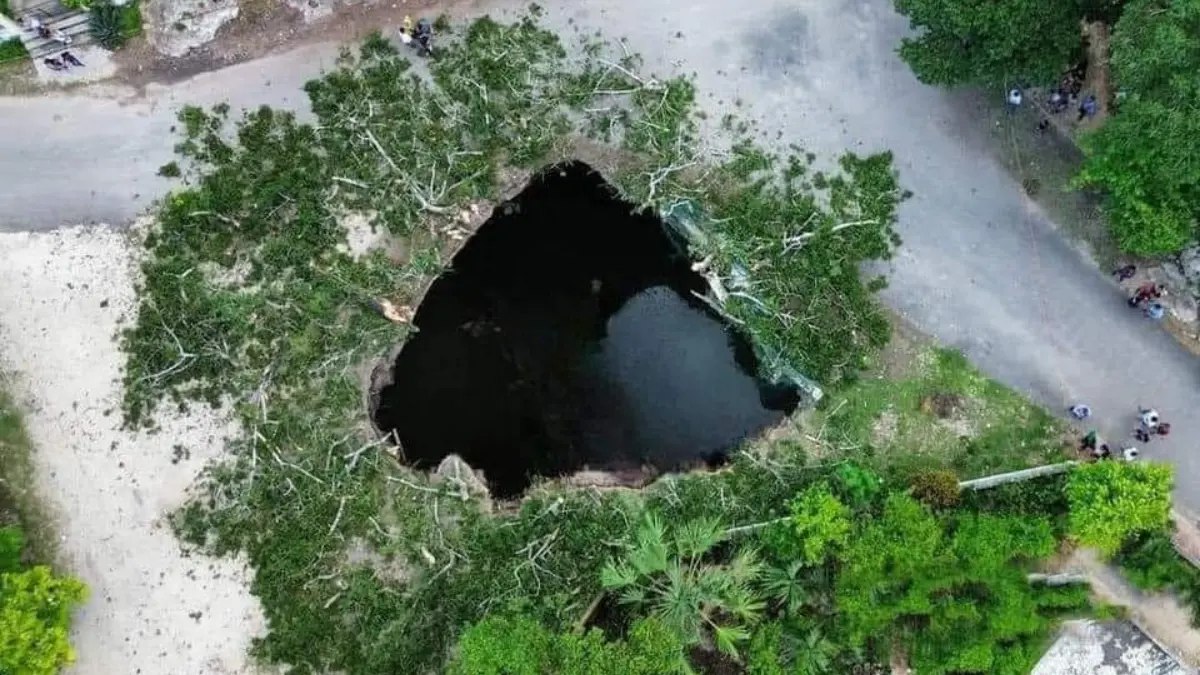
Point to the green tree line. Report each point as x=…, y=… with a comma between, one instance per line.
x=1146, y=157
x=854, y=572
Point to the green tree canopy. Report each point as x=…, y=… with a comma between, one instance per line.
x=1147, y=157
x=954, y=592
x=1111, y=501
x=991, y=42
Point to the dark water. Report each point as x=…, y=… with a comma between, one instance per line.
x=565, y=335
x=665, y=385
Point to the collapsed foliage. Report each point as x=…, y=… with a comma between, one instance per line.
x=252, y=300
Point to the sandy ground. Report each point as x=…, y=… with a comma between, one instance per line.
x=152, y=609
x=1159, y=615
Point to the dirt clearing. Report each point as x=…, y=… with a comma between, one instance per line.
x=152, y=608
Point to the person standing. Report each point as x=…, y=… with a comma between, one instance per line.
x=1087, y=108
x=1080, y=411
x=1155, y=311
x=1149, y=418
x=1014, y=99
x=1090, y=442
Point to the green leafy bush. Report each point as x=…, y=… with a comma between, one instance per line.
x=857, y=485
x=35, y=613
x=782, y=649
x=820, y=522
x=1112, y=501
x=1044, y=496
x=520, y=645
x=1151, y=563
x=953, y=592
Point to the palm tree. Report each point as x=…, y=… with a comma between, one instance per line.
x=671, y=576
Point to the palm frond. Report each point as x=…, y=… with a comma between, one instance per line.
x=783, y=584
x=728, y=638
x=617, y=575
x=649, y=554
x=697, y=537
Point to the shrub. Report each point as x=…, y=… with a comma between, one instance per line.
x=1112, y=501
x=35, y=613
x=1150, y=562
x=111, y=25
x=938, y=489
x=821, y=523
x=519, y=645
x=953, y=592
x=12, y=50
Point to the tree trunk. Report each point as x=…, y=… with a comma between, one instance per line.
x=1015, y=476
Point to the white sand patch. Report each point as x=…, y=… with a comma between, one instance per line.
x=361, y=236
x=152, y=610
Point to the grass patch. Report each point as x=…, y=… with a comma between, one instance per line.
x=13, y=50
x=19, y=504
x=938, y=413
x=131, y=19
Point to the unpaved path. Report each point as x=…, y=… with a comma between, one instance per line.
x=1159, y=615
x=152, y=610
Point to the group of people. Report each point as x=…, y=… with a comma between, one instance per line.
x=421, y=37
x=1060, y=99
x=1146, y=296
x=45, y=32
x=62, y=61
x=1150, y=424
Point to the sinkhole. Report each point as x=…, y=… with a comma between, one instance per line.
x=566, y=334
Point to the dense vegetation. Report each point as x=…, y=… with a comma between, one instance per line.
x=1147, y=157
x=1144, y=157
x=985, y=42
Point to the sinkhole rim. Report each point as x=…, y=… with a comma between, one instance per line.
x=381, y=372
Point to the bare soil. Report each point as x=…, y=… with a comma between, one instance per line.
x=263, y=27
